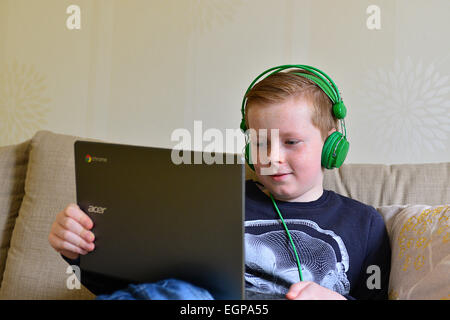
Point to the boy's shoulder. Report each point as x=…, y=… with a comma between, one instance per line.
x=357, y=207
x=350, y=202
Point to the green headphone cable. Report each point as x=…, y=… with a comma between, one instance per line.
x=290, y=238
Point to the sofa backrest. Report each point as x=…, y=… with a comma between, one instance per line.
x=33, y=269
x=13, y=168
x=381, y=185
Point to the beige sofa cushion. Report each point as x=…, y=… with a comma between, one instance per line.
x=420, y=238
x=382, y=185
x=33, y=269
x=13, y=169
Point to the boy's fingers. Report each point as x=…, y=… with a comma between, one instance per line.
x=74, y=212
x=63, y=245
x=73, y=226
x=295, y=289
x=74, y=239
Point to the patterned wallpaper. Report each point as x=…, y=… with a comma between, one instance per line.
x=134, y=71
x=24, y=103
x=411, y=103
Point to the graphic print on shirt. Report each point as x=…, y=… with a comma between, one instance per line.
x=271, y=266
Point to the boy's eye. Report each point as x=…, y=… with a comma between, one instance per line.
x=289, y=142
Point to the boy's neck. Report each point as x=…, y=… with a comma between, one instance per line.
x=309, y=196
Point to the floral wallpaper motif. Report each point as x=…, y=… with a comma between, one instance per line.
x=409, y=107
x=23, y=102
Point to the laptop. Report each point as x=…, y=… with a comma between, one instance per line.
x=155, y=219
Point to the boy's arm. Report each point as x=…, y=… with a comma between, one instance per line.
x=373, y=283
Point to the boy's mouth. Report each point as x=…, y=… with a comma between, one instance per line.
x=280, y=176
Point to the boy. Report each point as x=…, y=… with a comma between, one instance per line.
x=334, y=239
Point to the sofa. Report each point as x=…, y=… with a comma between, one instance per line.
x=37, y=180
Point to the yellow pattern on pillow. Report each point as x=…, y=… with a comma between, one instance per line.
x=420, y=237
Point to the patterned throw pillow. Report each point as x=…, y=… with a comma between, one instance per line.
x=420, y=241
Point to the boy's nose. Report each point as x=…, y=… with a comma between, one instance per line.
x=272, y=160
x=276, y=154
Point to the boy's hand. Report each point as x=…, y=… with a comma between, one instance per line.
x=70, y=233
x=307, y=290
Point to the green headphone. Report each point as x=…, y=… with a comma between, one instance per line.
x=336, y=145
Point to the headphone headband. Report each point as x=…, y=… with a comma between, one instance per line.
x=319, y=77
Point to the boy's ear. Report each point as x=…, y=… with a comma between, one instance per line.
x=328, y=134
x=331, y=131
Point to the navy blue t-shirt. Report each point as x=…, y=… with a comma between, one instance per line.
x=337, y=239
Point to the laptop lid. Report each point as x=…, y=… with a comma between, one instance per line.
x=154, y=219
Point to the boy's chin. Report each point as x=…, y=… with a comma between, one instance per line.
x=282, y=195
x=289, y=190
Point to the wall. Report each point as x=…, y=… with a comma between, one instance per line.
x=139, y=69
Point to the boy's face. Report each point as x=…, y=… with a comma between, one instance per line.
x=295, y=174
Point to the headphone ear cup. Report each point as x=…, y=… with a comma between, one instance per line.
x=334, y=150
x=341, y=152
x=248, y=156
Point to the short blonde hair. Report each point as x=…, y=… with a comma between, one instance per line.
x=280, y=86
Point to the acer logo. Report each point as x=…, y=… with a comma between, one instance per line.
x=94, y=209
